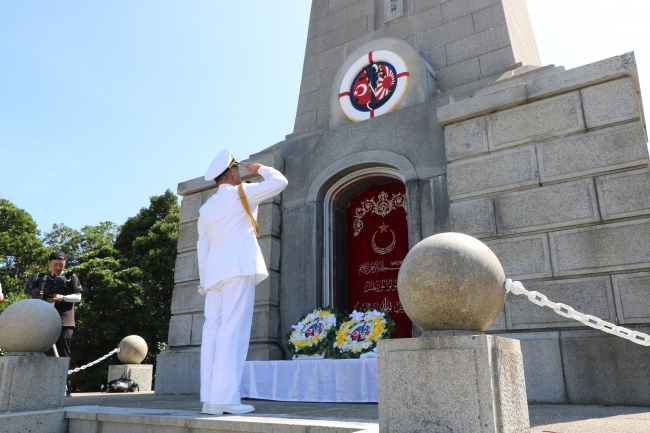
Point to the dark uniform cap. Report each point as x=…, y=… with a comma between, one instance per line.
x=58, y=255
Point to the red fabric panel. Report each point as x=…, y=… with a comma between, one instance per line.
x=377, y=244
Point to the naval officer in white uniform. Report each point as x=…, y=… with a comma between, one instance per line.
x=230, y=265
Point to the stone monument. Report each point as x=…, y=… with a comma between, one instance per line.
x=548, y=167
x=453, y=378
x=29, y=380
x=133, y=350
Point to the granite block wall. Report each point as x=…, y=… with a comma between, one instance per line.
x=552, y=174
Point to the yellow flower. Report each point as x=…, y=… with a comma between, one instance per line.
x=299, y=343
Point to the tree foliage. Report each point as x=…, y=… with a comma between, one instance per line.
x=127, y=275
x=21, y=251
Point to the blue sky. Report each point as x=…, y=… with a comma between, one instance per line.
x=103, y=104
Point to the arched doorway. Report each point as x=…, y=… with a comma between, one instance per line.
x=367, y=239
x=377, y=242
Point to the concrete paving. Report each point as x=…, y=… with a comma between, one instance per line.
x=543, y=418
x=344, y=411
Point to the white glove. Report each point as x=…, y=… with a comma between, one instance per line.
x=202, y=291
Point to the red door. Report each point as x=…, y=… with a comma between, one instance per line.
x=377, y=244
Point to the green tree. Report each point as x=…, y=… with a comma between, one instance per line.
x=127, y=286
x=65, y=239
x=21, y=251
x=127, y=275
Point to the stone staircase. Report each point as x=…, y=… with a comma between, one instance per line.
x=100, y=419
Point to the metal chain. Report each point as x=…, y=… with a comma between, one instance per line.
x=564, y=310
x=94, y=362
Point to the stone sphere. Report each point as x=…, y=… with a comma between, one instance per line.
x=30, y=325
x=451, y=281
x=133, y=349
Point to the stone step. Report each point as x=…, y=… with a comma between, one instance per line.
x=95, y=419
x=509, y=79
x=40, y=421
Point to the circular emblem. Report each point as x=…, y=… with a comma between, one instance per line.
x=314, y=329
x=360, y=332
x=374, y=85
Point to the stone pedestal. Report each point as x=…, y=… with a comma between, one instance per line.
x=141, y=373
x=452, y=384
x=179, y=371
x=32, y=381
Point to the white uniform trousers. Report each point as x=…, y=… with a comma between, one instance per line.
x=226, y=334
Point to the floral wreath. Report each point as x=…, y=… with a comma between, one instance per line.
x=314, y=333
x=360, y=334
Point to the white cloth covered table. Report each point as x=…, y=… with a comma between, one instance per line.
x=323, y=380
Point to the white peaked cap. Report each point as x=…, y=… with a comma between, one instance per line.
x=218, y=165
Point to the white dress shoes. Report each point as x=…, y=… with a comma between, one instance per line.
x=220, y=409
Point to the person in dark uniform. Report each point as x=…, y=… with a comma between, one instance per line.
x=63, y=302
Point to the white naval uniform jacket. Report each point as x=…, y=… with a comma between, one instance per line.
x=227, y=245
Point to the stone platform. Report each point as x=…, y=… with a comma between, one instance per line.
x=146, y=412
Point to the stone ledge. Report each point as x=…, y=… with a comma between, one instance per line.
x=544, y=87
x=507, y=81
x=200, y=184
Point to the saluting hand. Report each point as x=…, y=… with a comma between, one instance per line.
x=253, y=167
